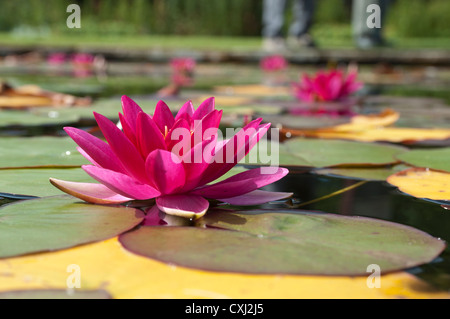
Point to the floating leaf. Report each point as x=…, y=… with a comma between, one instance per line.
x=59, y=222
x=39, y=151
x=438, y=159
x=35, y=182
x=363, y=173
x=286, y=242
x=131, y=276
x=55, y=294
x=326, y=153
x=385, y=134
x=423, y=183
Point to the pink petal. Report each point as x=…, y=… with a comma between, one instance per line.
x=241, y=183
x=207, y=106
x=153, y=217
x=121, y=184
x=96, y=149
x=165, y=170
x=186, y=111
x=163, y=117
x=129, y=132
x=256, y=197
x=149, y=136
x=130, y=111
x=90, y=192
x=124, y=149
x=184, y=205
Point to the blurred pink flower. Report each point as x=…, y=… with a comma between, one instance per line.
x=333, y=85
x=56, y=58
x=183, y=64
x=273, y=63
x=82, y=58
x=145, y=160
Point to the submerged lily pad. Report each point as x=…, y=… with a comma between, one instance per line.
x=39, y=151
x=286, y=242
x=438, y=159
x=59, y=222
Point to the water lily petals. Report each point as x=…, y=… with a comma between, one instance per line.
x=121, y=184
x=241, y=183
x=196, y=161
x=148, y=135
x=95, y=149
x=179, y=133
x=163, y=117
x=207, y=106
x=183, y=205
x=207, y=127
x=235, y=150
x=123, y=148
x=165, y=170
x=256, y=197
x=90, y=192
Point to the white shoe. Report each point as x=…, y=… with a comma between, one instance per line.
x=274, y=45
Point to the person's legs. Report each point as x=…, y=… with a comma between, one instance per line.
x=302, y=14
x=273, y=21
x=364, y=35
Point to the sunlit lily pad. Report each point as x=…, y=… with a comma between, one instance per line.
x=59, y=222
x=438, y=159
x=423, y=183
x=286, y=242
x=39, y=151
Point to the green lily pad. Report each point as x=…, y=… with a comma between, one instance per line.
x=38, y=152
x=36, y=118
x=438, y=159
x=55, y=294
x=362, y=173
x=286, y=242
x=52, y=223
x=303, y=152
x=35, y=182
x=328, y=153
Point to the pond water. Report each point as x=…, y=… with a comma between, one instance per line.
x=372, y=199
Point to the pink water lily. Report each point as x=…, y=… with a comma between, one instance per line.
x=273, y=63
x=333, y=85
x=148, y=160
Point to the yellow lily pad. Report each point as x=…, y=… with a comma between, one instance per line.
x=106, y=265
x=422, y=183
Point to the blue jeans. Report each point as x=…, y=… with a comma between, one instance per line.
x=274, y=14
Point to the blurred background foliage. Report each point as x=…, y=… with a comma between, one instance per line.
x=405, y=18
